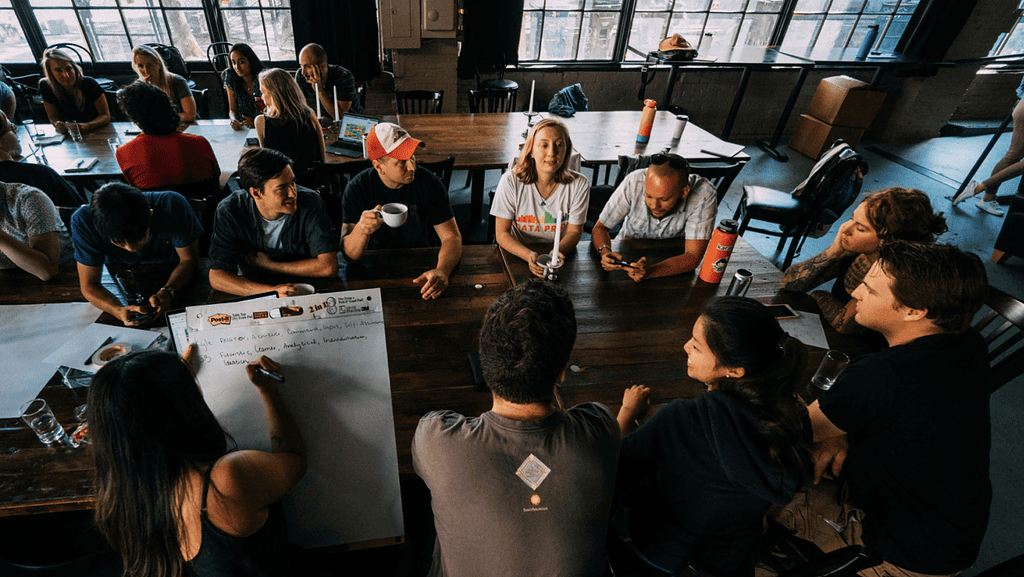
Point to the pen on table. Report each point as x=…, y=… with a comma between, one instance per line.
x=713, y=153
x=80, y=162
x=277, y=377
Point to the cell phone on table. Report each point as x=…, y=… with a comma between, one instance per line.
x=621, y=263
x=783, y=312
x=131, y=131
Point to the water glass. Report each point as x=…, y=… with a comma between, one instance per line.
x=74, y=131
x=114, y=144
x=829, y=369
x=38, y=416
x=30, y=128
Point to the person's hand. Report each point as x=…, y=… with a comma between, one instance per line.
x=237, y=124
x=608, y=261
x=61, y=127
x=316, y=78
x=249, y=121
x=639, y=270
x=369, y=221
x=829, y=456
x=262, y=381
x=636, y=401
x=159, y=302
x=434, y=283
x=129, y=315
x=258, y=259
x=535, y=268
x=836, y=250
x=285, y=290
x=191, y=357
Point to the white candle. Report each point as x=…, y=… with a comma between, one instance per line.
x=558, y=234
x=336, y=117
x=316, y=93
x=533, y=84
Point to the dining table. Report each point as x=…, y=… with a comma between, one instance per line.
x=628, y=333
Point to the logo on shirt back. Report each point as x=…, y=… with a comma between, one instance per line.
x=533, y=472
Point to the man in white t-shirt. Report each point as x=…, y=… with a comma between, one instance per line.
x=660, y=202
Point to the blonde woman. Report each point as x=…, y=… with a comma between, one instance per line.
x=151, y=68
x=288, y=125
x=70, y=96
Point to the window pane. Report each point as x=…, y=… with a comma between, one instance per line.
x=189, y=33
x=801, y=31
x=847, y=6
x=907, y=7
x=861, y=31
x=724, y=27
x=805, y=6
x=880, y=6
x=50, y=2
x=647, y=31
x=728, y=5
x=534, y=5
x=599, y=32
x=892, y=35
x=757, y=29
x=771, y=6
x=1015, y=43
x=246, y=26
x=175, y=3
x=106, y=34
x=529, y=37
x=691, y=4
x=240, y=3
x=835, y=32
x=13, y=45
x=5, y=3
x=564, y=4
x=280, y=34
x=650, y=5
x=60, y=26
x=146, y=26
x=561, y=33
x=95, y=3
x=603, y=5
x=689, y=25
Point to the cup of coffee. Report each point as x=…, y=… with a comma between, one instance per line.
x=394, y=214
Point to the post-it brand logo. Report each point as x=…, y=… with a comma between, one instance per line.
x=220, y=319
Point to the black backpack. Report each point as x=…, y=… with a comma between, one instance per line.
x=172, y=58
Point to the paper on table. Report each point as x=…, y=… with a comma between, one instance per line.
x=79, y=348
x=30, y=333
x=807, y=329
x=722, y=148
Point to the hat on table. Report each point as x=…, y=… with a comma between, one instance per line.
x=387, y=139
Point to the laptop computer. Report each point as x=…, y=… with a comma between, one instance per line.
x=352, y=135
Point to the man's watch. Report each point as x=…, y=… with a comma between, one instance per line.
x=169, y=289
x=602, y=247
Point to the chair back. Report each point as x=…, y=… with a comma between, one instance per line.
x=361, y=91
x=172, y=58
x=419, y=101
x=334, y=177
x=1003, y=330
x=833, y=185
x=88, y=68
x=202, y=98
x=721, y=174
x=219, y=56
x=491, y=100
x=442, y=169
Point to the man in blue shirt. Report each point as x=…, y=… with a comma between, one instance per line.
x=125, y=226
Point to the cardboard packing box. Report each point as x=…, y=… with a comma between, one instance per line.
x=845, y=101
x=811, y=136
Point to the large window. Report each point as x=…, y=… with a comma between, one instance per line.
x=109, y=29
x=589, y=30
x=1012, y=41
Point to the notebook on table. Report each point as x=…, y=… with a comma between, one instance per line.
x=352, y=135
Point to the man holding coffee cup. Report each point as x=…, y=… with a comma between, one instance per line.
x=410, y=202
x=272, y=229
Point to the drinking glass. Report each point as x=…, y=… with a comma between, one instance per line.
x=829, y=369
x=38, y=416
x=74, y=131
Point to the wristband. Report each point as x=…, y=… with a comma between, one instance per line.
x=602, y=247
x=169, y=289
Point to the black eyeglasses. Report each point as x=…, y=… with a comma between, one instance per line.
x=674, y=161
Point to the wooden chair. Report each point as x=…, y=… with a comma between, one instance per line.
x=335, y=176
x=419, y=101
x=838, y=173
x=1005, y=340
x=491, y=100
x=442, y=169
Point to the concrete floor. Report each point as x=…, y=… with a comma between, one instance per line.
x=937, y=167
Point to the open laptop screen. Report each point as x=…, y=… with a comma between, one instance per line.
x=354, y=128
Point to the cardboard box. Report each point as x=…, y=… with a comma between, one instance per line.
x=845, y=101
x=811, y=136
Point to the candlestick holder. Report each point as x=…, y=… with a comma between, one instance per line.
x=529, y=121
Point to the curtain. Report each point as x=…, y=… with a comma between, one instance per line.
x=933, y=28
x=346, y=29
x=491, y=36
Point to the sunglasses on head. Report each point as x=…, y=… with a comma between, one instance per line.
x=675, y=162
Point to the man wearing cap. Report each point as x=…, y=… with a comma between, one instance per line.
x=395, y=178
x=662, y=201
x=319, y=80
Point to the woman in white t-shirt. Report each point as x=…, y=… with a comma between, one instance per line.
x=529, y=197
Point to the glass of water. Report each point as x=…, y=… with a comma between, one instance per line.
x=30, y=128
x=37, y=414
x=829, y=369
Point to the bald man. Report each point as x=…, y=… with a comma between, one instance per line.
x=315, y=71
x=661, y=201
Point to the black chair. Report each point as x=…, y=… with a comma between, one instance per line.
x=361, y=91
x=202, y=98
x=174, y=62
x=78, y=50
x=1005, y=339
x=491, y=100
x=442, y=169
x=419, y=101
x=219, y=56
x=821, y=199
x=334, y=177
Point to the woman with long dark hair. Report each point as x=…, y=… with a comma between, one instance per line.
x=288, y=125
x=69, y=95
x=172, y=498
x=242, y=84
x=718, y=462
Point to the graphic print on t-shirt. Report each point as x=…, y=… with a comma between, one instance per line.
x=533, y=472
x=529, y=223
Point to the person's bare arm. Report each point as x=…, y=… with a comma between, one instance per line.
x=671, y=266
x=89, y=282
x=188, y=263
x=40, y=257
x=573, y=234
x=803, y=276
x=237, y=121
x=435, y=281
x=320, y=139
x=322, y=265
x=636, y=402
x=830, y=443
x=602, y=239
x=355, y=237
x=838, y=314
x=103, y=116
x=260, y=124
x=53, y=114
x=228, y=282
x=504, y=238
x=188, y=109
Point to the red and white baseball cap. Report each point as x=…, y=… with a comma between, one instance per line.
x=387, y=139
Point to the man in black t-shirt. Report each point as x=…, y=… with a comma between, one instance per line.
x=395, y=178
x=909, y=426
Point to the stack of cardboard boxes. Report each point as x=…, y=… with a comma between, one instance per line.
x=842, y=107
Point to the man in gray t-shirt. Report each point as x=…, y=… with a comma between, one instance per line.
x=525, y=488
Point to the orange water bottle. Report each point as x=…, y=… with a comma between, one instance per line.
x=719, y=250
x=646, y=121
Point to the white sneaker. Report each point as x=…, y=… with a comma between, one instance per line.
x=966, y=193
x=991, y=207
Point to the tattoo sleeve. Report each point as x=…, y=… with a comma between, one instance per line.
x=837, y=314
x=814, y=271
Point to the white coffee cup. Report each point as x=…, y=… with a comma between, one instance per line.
x=394, y=214
x=303, y=289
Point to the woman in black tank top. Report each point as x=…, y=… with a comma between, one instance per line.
x=288, y=124
x=172, y=498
